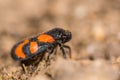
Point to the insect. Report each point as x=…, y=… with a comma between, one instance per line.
x=32, y=50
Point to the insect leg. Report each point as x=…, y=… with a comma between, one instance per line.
x=55, y=50
x=62, y=49
x=49, y=53
x=67, y=47
x=24, y=67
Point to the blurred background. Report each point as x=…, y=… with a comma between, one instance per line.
x=95, y=27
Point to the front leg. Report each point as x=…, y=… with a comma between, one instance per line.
x=62, y=46
x=62, y=49
x=68, y=47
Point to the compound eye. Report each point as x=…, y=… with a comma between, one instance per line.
x=68, y=33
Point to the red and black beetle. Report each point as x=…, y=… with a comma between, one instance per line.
x=33, y=49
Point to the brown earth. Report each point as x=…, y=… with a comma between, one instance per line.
x=95, y=44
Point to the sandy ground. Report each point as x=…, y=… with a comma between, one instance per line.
x=95, y=44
